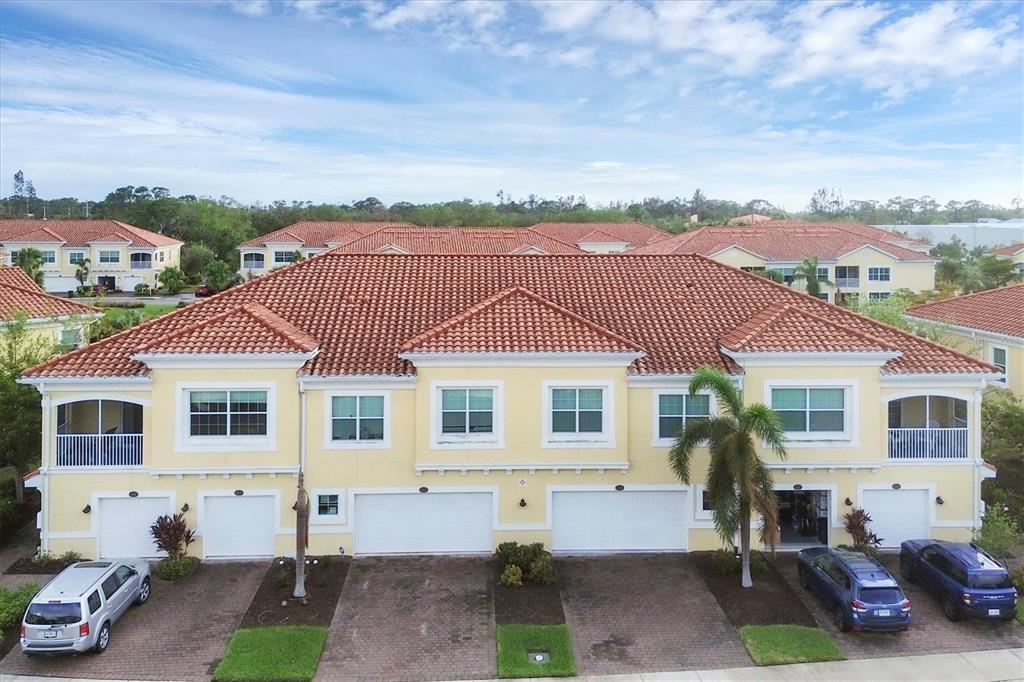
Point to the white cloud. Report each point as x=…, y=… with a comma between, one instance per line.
x=575, y=56
x=251, y=8
x=568, y=15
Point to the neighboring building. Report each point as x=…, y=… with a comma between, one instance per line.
x=988, y=325
x=858, y=264
x=59, y=321
x=749, y=219
x=307, y=237
x=603, y=237
x=448, y=403
x=497, y=241
x=1014, y=252
x=120, y=255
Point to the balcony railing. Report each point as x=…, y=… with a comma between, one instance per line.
x=928, y=443
x=142, y=264
x=99, y=450
x=847, y=282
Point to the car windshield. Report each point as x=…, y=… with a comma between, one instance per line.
x=991, y=580
x=881, y=595
x=53, y=614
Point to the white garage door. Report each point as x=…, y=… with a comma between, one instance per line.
x=423, y=523
x=898, y=515
x=124, y=525
x=239, y=526
x=59, y=285
x=128, y=282
x=619, y=521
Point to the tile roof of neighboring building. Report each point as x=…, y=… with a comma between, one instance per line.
x=18, y=293
x=827, y=241
x=633, y=234
x=245, y=328
x=363, y=308
x=1000, y=311
x=788, y=328
x=457, y=240
x=80, y=233
x=518, y=320
x=1011, y=250
x=749, y=219
x=319, y=234
x=861, y=229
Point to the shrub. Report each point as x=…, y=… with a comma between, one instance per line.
x=1017, y=577
x=6, y=509
x=122, y=304
x=142, y=289
x=13, y=603
x=998, y=534
x=869, y=551
x=532, y=561
x=172, y=535
x=512, y=576
x=172, y=280
x=857, y=523
x=175, y=568
x=727, y=562
x=542, y=570
x=49, y=562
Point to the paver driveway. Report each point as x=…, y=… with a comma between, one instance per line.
x=930, y=632
x=180, y=634
x=644, y=613
x=413, y=618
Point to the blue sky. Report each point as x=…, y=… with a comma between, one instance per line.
x=423, y=101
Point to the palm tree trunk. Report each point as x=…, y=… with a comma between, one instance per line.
x=745, y=580
x=301, y=539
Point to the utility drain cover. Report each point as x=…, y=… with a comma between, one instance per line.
x=539, y=657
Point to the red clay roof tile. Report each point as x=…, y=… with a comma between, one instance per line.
x=319, y=234
x=18, y=293
x=787, y=328
x=80, y=232
x=457, y=240
x=997, y=310
x=634, y=234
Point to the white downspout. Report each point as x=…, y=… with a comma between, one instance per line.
x=978, y=460
x=302, y=428
x=44, y=463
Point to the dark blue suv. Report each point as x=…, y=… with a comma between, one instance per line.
x=859, y=592
x=968, y=580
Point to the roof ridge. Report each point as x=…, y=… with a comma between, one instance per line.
x=267, y=318
x=963, y=297
x=47, y=295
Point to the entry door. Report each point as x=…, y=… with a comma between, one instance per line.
x=898, y=515
x=108, y=283
x=124, y=525
x=619, y=521
x=423, y=523
x=239, y=526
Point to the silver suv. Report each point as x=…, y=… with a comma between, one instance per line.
x=74, y=611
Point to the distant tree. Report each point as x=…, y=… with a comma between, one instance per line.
x=31, y=261
x=297, y=256
x=172, y=280
x=826, y=202
x=369, y=205
x=219, y=275
x=82, y=271
x=194, y=260
x=807, y=272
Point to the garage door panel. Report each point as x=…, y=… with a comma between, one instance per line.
x=619, y=521
x=239, y=526
x=419, y=523
x=124, y=525
x=898, y=515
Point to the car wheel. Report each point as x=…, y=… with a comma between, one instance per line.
x=839, y=619
x=143, y=592
x=805, y=581
x=950, y=609
x=907, y=571
x=102, y=639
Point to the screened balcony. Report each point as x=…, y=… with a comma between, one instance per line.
x=99, y=433
x=928, y=427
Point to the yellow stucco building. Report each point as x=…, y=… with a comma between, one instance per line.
x=449, y=403
x=56, y=323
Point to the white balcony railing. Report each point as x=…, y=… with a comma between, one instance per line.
x=99, y=450
x=142, y=265
x=847, y=282
x=928, y=443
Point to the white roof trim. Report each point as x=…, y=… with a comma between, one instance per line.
x=497, y=359
x=392, y=247
x=768, y=358
x=997, y=336
x=180, y=360
x=668, y=380
x=358, y=381
x=977, y=380
x=64, y=383
x=877, y=248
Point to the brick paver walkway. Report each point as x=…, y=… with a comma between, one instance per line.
x=930, y=632
x=413, y=618
x=180, y=634
x=635, y=613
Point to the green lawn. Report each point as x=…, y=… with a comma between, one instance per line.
x=1020, y=615
x=516, y=641
x=279, y=653
x=780, y=644
x=149, y=311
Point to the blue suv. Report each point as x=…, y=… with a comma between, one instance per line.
x=859, y=592
x=968, y=580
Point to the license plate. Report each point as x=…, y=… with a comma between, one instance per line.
x=993, y=612
x=883, y=612
x=50, y=634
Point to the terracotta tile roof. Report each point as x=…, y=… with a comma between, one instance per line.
x=862, y=229
x=749, y=219
x=827, y=241
x=1011, y=250
x=320, y=234
x=18, y=293
x=788, y=328
x=245, y=328
x=80, y=232
x=518, y=320
x=457, y=240
x=997, y=310
x=634, y=234
x=363, y=308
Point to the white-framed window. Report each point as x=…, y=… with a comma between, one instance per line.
x=579, y=414
x=141, y=261
x=823, y=296
x=878, y=295
x=49, y=257
x=252, y=261
x=701, y=507
x=998, y=357
x=76, y=257
x=675, y=407
x=70, y=338
x=823, y=273
x=226, y=416
x=357, y=419
x=162, y=254
x=283, y=257
x=110, y=256
x=815, y=412
x=327, y=506
x=879, y=273
x=467, y=414
x=14, y=257
x=788, y=274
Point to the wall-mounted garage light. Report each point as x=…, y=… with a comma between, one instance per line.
x=239, y=493
x=896, y=486
x=620, y=487
x=184, y=508
x=797, y=486
x=134, y=493
x=522, y=501
x=939, y=500
x=848, y=502
x=86, y=509
x=424, y=489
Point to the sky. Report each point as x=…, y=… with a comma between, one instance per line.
x=433, y=100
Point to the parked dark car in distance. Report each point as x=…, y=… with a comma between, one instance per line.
x=966, y=579
x=858, y=591
x=203, y=290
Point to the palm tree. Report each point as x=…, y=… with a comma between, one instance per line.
x=82, y=271
x=738, y=481
x=808, y=272
x=31, y=261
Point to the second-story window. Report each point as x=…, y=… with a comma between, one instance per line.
x=677, y=409
x=467, y=410
x=227, y=413
x=49, y=257
x=76, y=257
x=252, y=261
x=283, y=257
x=579, y=414
x=810, y=410
x=356, y=418
x=141, y=261
x=110, y=257
x=879, y=274
x=999, y=360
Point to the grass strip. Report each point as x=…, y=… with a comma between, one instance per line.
x=516, y=642
x=782, y=644
x=280, y=653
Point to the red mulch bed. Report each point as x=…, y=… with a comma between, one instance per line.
x=770, y=601
x=324, y=582
x=527, y=605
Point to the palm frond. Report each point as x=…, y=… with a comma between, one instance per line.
x=764, y=423
x=721, y=386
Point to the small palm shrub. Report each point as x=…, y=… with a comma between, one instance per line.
x=176, y=568
x=512, y=576
x=171, y=534
x=728, y=562
x=857, y=523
